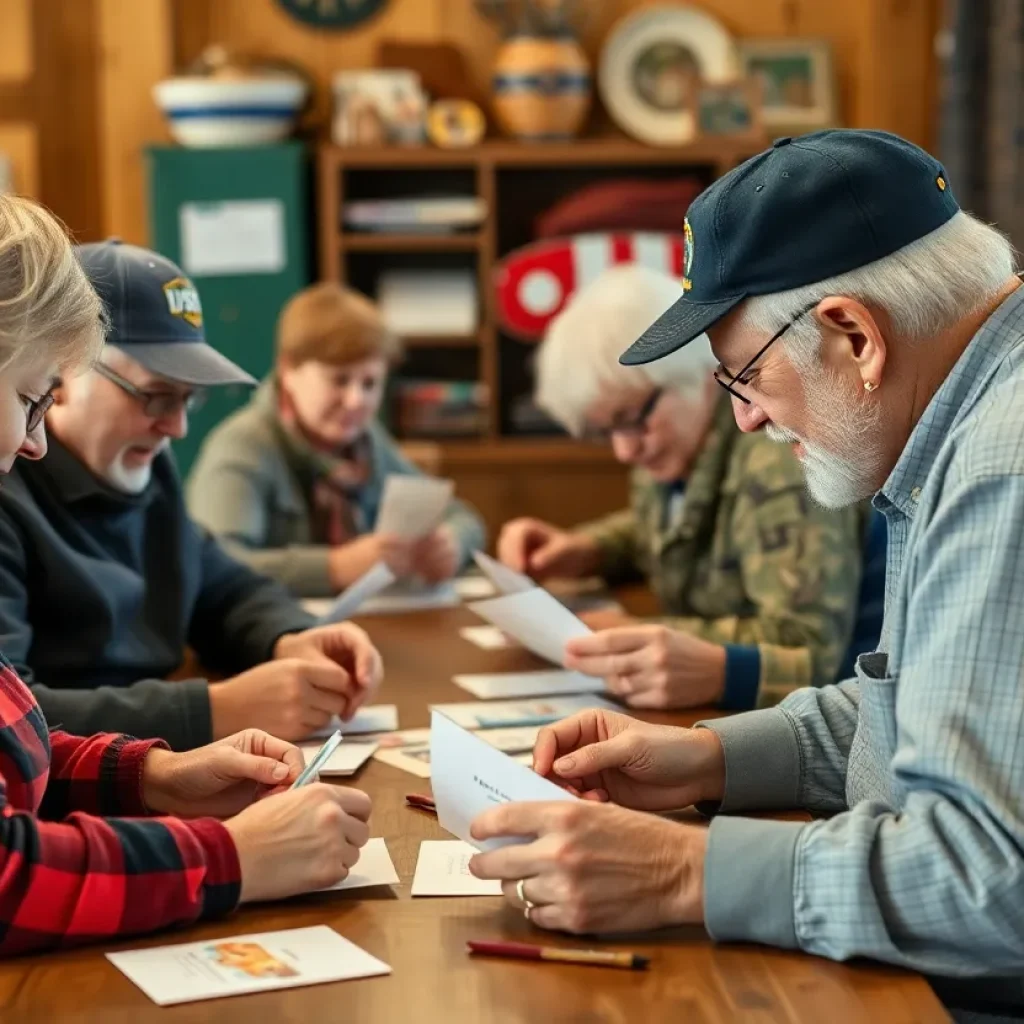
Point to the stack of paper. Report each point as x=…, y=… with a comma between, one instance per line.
x=240, y=964
x=487, y=686
x=410, y=750
x=474, y=715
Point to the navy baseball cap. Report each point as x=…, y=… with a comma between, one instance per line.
x=155, y=314
x=802, y=211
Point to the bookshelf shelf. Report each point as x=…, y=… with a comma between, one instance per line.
x=386, y=241
x=505, y=473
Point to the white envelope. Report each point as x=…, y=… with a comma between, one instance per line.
x=371, y=583
x=411, y=506
x=347, y=759
x=537, y=620
x=442, y=869
x=507, y=580
x=469, y=776
x=487, y=686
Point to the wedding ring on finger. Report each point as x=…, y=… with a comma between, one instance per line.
x=528, y=905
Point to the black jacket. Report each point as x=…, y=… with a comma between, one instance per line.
x=100, y=592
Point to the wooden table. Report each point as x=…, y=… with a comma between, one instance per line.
x=690, y=979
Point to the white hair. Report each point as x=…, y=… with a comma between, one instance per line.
x=579, y=356
x=924, y=288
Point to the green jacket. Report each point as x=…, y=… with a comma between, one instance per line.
x=250, y=486
x=748, y=559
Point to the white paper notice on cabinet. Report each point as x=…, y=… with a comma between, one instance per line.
x=238, y=236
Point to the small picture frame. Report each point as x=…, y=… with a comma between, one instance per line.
x=729, y=109
x=797, y=81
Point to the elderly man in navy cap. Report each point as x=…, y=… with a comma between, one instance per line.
x=860, y=316
x=104, y=579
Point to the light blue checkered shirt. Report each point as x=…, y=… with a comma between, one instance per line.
x=921, y=758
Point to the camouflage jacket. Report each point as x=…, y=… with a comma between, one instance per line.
x=746, y=558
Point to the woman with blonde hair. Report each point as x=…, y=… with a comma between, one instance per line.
x=292, y=483
x=71, y=871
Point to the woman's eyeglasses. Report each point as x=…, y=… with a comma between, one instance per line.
x=632, y=428
x=155, y=404
x=36, y=410
x=743, y=377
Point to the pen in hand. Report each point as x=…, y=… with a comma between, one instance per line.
x=322, y=756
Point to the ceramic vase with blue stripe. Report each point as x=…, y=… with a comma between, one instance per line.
x=542, y=88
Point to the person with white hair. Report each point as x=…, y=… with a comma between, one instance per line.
x=758, y=584
x=862, y=318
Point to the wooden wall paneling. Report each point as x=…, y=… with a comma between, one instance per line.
x=136, y=52
x=19, y=142
x=16, y=58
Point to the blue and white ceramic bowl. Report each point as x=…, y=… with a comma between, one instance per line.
x=230, y=112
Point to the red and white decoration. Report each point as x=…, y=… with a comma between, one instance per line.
x=534, y=283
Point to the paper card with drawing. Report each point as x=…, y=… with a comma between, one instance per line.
x=487, y=686
x=468, y=776
x=506, y=580
x=536, y=619
x=371, y=583
x=442, y=869
x=241, y=964
x=374, y=867
x=412, y=506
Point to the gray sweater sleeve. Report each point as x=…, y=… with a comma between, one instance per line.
x=177, y=712
x=228, y=494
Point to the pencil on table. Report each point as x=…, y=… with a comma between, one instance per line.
x=593, y=957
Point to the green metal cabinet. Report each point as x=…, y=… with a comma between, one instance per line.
x=237, y=221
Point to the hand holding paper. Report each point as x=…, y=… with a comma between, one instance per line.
x=411, y=506
x=469, y=776
x=536, y=619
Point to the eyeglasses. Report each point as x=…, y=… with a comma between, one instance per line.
x=155, y=404
x=36, y=410
x=628, y=428
x=742, y=377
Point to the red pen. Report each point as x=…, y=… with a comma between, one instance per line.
x=593, y=957
x=421, y=802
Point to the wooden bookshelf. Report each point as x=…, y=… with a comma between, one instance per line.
x=525, y=471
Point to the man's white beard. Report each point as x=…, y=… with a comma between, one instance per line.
x=842, y=463
x=131, y=479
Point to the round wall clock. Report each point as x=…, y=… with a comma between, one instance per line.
x=334, y=14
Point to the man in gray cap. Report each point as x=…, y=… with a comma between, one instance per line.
x=104, y=579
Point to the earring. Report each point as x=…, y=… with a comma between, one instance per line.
x=870, y=385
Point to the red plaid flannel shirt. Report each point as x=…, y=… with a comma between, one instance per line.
x=70, y=873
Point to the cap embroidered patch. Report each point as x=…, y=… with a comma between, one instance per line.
x=941, y=182
x=183, y=301
x=687, y=255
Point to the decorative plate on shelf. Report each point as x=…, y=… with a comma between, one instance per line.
x=651, y=67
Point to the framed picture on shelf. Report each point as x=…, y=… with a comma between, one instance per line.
x=729, y=109
x=797, y=81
